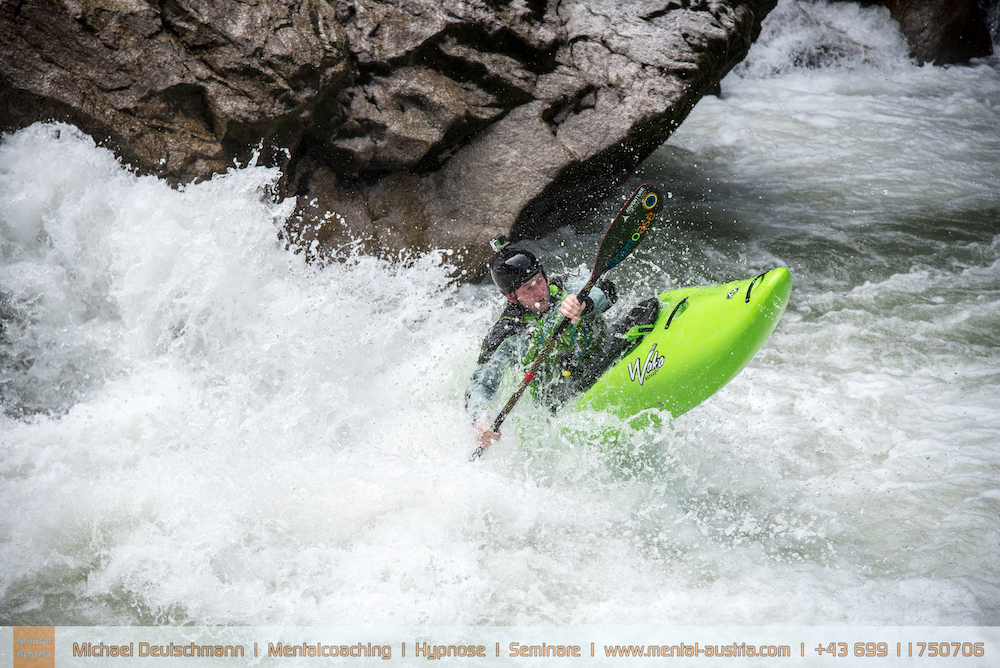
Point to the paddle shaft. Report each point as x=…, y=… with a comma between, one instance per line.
x=530, y=374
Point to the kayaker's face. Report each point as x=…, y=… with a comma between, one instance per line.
x=533, y=294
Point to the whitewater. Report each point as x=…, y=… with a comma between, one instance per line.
x=200, y=427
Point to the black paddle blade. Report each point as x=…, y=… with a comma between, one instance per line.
x=628, y=228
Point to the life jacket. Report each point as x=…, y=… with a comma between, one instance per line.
x=574, y=348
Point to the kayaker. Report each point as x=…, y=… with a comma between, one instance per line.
x=524, y=327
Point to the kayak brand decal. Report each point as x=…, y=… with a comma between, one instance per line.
x=649, y=201
x=639, y=371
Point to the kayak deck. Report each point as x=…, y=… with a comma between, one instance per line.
x=702, y=338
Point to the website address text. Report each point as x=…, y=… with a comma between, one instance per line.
x=733, y=650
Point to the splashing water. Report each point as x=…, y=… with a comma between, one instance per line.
x=200, y=428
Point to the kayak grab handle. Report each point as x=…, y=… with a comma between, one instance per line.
x=753, y=283
x=674, y=312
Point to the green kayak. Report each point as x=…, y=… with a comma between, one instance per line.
x=701, y=338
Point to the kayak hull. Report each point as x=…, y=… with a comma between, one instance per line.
x=702, y=338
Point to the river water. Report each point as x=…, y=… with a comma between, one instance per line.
x=199, y=428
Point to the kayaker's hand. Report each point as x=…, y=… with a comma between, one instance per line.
x=485, y=436
x=572, y=308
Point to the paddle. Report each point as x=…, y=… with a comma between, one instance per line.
x=620, y=239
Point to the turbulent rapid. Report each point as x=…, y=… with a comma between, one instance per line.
x=200, y=427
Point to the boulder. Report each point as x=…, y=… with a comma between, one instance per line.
x=467, y=120
x=179, y=88
x=943, y=32
x=400, y=125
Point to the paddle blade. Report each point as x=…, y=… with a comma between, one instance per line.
x=628, y=228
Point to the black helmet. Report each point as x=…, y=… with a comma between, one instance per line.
x=512, y=268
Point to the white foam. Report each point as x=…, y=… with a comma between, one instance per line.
x=202, y=428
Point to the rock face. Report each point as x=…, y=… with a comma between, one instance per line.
x=512, y=117
x=179, y=87
x=402, y=125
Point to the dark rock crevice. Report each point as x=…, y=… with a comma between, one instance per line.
x=943, y=32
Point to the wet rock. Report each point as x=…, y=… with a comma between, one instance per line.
x=400, y=125
x=515, y=120
x=179, y=88
x=943, y=32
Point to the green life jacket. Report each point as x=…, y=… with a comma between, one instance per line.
x=518, y=336
x=574, y=348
